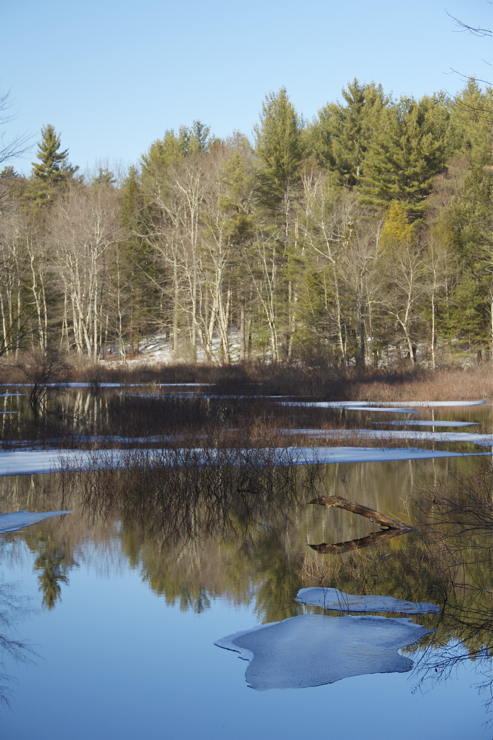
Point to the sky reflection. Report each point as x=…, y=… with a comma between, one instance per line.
x=117, y=662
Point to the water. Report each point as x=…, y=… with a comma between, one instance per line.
x=117, y=661
x=123, y=620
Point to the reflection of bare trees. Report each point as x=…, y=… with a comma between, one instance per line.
x=195, y=493
x=12, y=609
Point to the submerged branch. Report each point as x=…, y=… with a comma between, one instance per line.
x=371, y=539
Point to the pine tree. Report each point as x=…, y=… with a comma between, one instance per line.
x=52, y=168
x=279, y=142
x=469, y=130
x=280, y=146
x=342, y=133
x=404, y=157
x=104, y=177
x=173, y=148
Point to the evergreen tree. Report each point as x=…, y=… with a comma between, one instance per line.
x=173, y=148
x=404, y=157
x=279, y=142
x=280, y=146
x=104, y=177
x=136, y=278
x=469, y=131
x=8, y=173
x=52, y=167
x=342, y=133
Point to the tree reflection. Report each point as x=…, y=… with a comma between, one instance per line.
x=13, y=608
x=52, y=563
x=448, y=561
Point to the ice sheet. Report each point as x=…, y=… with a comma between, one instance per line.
x=313, y=650
x=19, y=519
x=351, y=406
x=485, y=440
x=30, y=462
x=436, y=404
x=403, y=407
x=334, y=600
x=428, y=423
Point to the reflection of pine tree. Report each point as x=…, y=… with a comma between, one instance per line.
x=52, y=565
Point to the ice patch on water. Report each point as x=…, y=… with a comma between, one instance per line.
x=30, y=462
x=19, y=519
x=349, y=406
x=428, y=423
x=313, y=650
x=334, y=600
x=486, y=440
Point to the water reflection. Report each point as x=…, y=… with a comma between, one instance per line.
x=13, y=609
x=194, y=536
x=53, y=561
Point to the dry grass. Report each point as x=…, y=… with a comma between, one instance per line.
x=324, y=383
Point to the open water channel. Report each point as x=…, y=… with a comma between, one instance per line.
x=117, y=616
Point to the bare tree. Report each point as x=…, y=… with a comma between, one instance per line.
x=82, y=225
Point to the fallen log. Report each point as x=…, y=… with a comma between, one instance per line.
x=384, y=522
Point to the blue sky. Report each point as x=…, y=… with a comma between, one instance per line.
x=113, y=76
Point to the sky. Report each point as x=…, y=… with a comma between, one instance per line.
x=112, y=77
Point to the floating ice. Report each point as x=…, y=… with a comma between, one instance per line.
x=428, y=423
x=19, y=519
x=313, y=650
x=486, y=440
x=30, y=462
x=334, y=600
x=436, y=404
x=406, y=407
x=350, y=406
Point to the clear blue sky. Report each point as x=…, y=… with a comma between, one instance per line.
x=113, y=76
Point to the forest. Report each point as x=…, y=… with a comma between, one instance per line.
x=362, y=237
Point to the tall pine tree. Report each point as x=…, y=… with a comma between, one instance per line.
x=52, y=167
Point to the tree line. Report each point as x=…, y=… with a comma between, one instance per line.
x=361, y=237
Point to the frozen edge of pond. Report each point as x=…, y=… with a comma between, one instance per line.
x=314, y=650
x=30, y=462
x=408, y=407
x=485, y=440
x=20, y=519
x=332, y=599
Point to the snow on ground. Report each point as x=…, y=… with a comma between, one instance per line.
x=314, y=650
x=334, y=600
x=30, y=462
x=19, y=519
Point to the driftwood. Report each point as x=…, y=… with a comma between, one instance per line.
x=371, y=539
x=384, y=522
x=389, y=527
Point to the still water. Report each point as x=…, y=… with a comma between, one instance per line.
x=123, y=624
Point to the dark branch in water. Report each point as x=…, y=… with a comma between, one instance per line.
x=384, y=522
x=371, y=539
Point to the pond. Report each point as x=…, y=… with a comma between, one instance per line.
x=117, y=607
